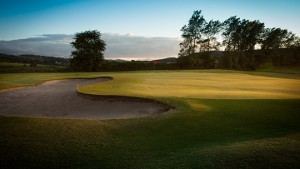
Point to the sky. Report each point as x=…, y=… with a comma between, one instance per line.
x=133, y=29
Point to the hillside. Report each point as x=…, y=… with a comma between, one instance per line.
x=34, y=59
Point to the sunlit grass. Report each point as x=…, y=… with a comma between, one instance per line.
x=223, y=119
x=198, y=84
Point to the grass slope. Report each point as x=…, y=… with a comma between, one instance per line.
x=233, y=131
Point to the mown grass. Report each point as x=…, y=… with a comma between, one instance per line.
x=207, y=130
x=215, y=84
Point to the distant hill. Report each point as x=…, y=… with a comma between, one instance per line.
x=49, y=60
x=37, y=63
x=167, y=60
x=36, y=59
x=164, y=60
x=117, y=60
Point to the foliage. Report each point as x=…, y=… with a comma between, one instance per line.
x=278, y=38
x=238, y=35
x=241, y=35
x=231, y=34
x=88, y=55
x=244, y=60
x=192, y=34
x=211, y=29
x=241, y=38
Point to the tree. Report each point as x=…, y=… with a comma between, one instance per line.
x=88, y=55
x=296, y=42
x=275, y=38
x=243, y=34
x=191, y=34
x=231, y=33
x=185, y=47
x=251, y=32
x=210, y=31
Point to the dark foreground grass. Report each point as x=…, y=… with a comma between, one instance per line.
x=202, y=133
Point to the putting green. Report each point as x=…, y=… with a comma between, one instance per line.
x=198, y=84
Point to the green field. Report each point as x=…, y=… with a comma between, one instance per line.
x=223, y=119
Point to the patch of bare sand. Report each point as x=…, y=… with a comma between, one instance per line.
x=58, y=99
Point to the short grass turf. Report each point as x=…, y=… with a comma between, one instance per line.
x=255, y=127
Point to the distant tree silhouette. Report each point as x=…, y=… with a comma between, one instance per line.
x=274, y=38
x=231, y=33
x=211, y=29
x=243, y=34
x=192, y=33
x=241, y=38
x=251, y=34
x=88, y=55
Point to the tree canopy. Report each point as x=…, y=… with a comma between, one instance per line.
x=88, y=55
x=211, y=29
x=192, y=33
x=237, y=34
x=242, y=35
x=274, y=38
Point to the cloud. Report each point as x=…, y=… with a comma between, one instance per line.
x=47, y=45
x=118, y=46
x=129, y=46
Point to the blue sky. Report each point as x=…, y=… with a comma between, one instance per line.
x=27, y=18
x=144, y=18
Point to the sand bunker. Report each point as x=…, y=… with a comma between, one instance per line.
x=58, y=99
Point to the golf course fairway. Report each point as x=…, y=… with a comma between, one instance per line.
x=222, y=119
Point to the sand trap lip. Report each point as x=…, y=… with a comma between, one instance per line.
x=59, y=99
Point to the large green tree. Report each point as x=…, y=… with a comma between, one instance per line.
x=88, y=55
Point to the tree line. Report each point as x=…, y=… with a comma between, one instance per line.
x=245, y=45
x=245, y=60
x=238, y=35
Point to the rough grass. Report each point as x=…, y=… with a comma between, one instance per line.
x=229, y=132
